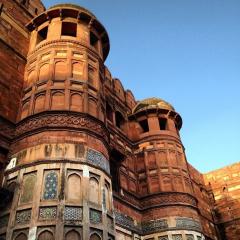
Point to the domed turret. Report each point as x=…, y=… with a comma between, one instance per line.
x=152, y=103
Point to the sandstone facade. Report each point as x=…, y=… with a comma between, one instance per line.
x=80, y=157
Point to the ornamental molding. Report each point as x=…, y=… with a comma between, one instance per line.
x=62, y=120
x=169, y=198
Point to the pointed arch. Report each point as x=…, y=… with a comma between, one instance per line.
x=39, y=103
x=74, y=188
x=46, y=235
x=107, y=196
x=60, y=70
x=58, y=101
x=72, y=235
x=93, y=190
x=44, y=72
x=29, y=181
x=77, y=70
x=95, y=236
x=76, y=102
x=21, y=236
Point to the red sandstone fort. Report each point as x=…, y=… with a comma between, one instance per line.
x=80, y=158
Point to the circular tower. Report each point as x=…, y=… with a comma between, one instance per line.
x=165, y=188
x=59, y=160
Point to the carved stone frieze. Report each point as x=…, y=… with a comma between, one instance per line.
x=61, y=120
x=169, y=198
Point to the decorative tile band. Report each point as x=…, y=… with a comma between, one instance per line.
x=153, y=226
x=97, y=159
x=158, y=225
x=126, y=222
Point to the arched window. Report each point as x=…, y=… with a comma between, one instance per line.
x=74, y=188
x=76, y=102
x=107, y=197
x=77, y=70
x=94, y=190
x=91, y=75
x=25, y=109
x=58, y=101
x=60, y=71
x=95, y=236
x=21, y=236
x=72, y=235
x=29, y=181
x=109, y=112
x=162, y=123
x=44, y=72
x=119, y=120
x=50, y=186
x=45, y=235
x=39, y=103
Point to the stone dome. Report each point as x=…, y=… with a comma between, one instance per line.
x=151, y=103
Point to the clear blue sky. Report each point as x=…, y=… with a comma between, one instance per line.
x=188, y=53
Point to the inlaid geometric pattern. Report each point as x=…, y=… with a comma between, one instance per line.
x=177, y=237
x=23, y=217
x=73, y=213
x=163, y=238
x=189, y=237
x=47, y=213
x=50, y=186
x=95, y=216
x=97, y=159
x=4, y=221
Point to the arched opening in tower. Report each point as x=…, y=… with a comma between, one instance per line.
x=116, y=159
